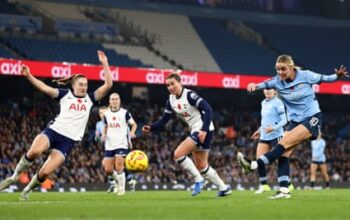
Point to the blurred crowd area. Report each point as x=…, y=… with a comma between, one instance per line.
x=23, y=118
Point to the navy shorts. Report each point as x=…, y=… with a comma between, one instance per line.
x=272, y=142
x=59, y=142
x=116, y=152
x=313, y=124
x=207, y=140
x=318, y=162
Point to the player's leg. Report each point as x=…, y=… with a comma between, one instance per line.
x=261, y=149
x=180, y=156
x=108, y=166
x=289, y=139
x=55, y=159
x=313, y=170
x=325, y=175
x=119, y=168
x=283, y=173
x=40, y=144
x=130, y=179
x=201, y=160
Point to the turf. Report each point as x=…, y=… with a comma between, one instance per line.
x=316, y=205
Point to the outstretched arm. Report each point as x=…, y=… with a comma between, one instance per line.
x=268, y=84
x=319, y=78
x=48, y=90
x=168, y=112
x=103, y=90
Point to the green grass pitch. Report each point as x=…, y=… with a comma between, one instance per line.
x=305, y=204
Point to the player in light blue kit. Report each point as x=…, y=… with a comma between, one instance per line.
x=295, y=89
x=273, y=118
x=318, y=160
x=197, y=113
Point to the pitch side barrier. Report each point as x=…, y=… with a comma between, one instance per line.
x=88, y=187
x=11, y=67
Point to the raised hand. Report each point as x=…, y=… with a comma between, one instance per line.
x=102, y=57
x=25, y=71
x=251, y=87
x=341, y=72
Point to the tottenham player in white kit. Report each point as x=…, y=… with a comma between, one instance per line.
x=116, y=136
x=66, y=129
x=197, y=113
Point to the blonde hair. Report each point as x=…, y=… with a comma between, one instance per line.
x=288, y=60
x=71, y=79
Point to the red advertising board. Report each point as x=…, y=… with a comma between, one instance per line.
x=151, y=76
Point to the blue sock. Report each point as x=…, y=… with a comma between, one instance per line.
x=283, y=171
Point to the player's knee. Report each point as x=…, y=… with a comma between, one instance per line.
x=33, y=154
x=177, y=155
x=44, y=173
x=201, y=165
x=108, y=170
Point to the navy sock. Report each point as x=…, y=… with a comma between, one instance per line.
x=40, y=180
x=276, y=152
x=262, y=172
x=312, y=184
x=25, y=157
x=283, y=171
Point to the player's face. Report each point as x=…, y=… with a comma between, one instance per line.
x=269, y=93
x=173, y=86
x=114, y=101
x=80, y=86
x=101, y=113
x=284, y=71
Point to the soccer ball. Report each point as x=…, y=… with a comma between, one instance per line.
x=136, y=161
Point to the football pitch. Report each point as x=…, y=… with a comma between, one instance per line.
x=305, y=204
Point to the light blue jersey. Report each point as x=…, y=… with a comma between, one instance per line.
x=318, y=147
x=298, y=95
x=99, y=128
x=272, y=114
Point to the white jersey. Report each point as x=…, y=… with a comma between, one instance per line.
x=117, y=129
x=74, y=114
x=186, y=107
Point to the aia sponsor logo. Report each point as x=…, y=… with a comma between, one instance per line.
x=10, y=68
x=60, y=71
x=230, y=82
x=77, y=107
x=113, y=125
x=345, y=89
x=114, y=73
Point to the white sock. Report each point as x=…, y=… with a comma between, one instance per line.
x=187, y=164
x=33, y=184
x=284, y=189
x=254, y=165
x=22, y=165
x=121, y=181
x=213, y=176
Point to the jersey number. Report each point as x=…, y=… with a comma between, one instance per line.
x=313, y=121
